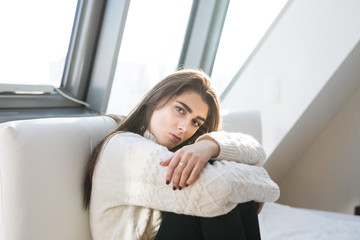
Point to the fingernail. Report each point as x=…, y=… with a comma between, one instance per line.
x=186, y=185
x=167, y=182
x=180, y=188
x=174, y=188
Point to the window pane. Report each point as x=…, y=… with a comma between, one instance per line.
x=150, y=49
x=34, y=40
x=246, y=22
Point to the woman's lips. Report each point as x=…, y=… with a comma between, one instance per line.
x=175, y=138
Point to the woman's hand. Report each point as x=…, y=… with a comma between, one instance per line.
x=187, y=162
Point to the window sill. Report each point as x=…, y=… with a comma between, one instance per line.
x=31, y=113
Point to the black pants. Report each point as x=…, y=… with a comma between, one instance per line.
x=240, y=223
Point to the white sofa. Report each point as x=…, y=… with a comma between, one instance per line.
x=42, y=163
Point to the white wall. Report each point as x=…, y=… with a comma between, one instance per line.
x=299, y=56
x=327, y=175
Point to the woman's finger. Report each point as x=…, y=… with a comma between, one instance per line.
x=174, y=161
x=186, y=174
x=166, y=162
x=177, y=175
x=182, y=171
x=194, y=173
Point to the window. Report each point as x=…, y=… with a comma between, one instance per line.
x=46, y=45
x=150, y=49
x=245, y=24
x=34, y=43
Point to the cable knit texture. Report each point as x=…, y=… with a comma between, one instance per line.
x=248, y=149
x=129, y=189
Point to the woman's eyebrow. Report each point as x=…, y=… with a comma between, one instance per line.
x=190, y=110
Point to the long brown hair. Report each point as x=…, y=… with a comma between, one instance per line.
x=138, y=120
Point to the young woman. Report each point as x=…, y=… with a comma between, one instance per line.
x=153, y=171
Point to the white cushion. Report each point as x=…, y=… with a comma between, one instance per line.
x=248, y=122
x=42, y=165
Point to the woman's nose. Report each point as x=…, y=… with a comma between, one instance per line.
x=184, y=125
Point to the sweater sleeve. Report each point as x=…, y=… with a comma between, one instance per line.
x=128, y=173
x=238, y=147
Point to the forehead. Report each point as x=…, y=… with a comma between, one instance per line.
x=194, y=101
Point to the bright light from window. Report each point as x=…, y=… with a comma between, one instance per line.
x=246, y=22
x=35, y=36
x=150, y=49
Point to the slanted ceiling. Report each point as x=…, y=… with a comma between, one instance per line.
x=316, y=117
x=300, y=76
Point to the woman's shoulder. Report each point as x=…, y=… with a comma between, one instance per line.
x=122, y=134
x=126, y=138
x=120, y=143
x=130, y=139
x=128, y=143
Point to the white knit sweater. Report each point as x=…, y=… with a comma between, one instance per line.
x=129, y=189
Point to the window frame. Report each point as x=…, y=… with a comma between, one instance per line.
x=93, y=51
x=199, y=48
x=203, y=35
x=83, y=41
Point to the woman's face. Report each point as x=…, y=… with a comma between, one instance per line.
x=179, y=119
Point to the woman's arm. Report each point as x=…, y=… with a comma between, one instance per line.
x=221, y=145
x=128, y=173
x=237, y=147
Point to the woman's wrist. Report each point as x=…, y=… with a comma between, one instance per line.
x=214, y=146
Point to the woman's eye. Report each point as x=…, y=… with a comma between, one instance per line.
x=179, y=109
x=196, y=123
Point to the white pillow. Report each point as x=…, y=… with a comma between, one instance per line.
x=248, y=122
x=42, y=164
